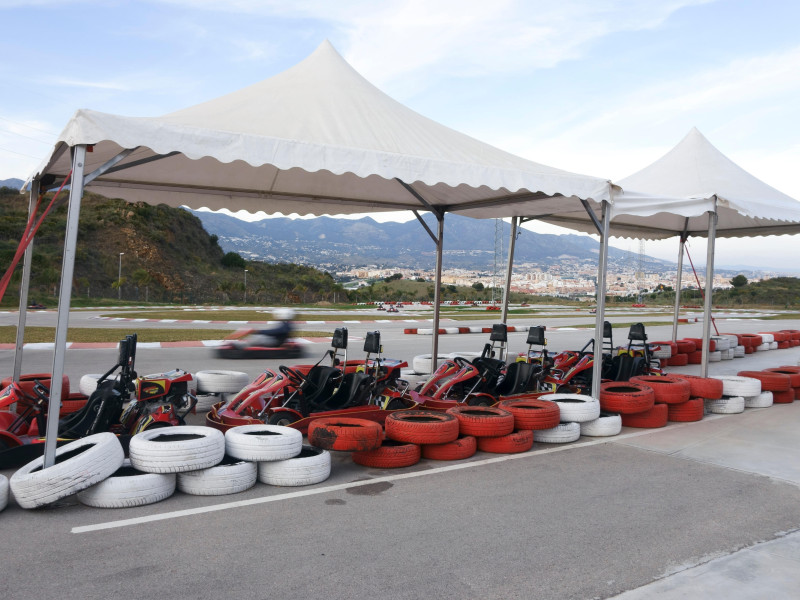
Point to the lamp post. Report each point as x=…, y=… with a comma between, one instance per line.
x=245, y=286
x=119, y=277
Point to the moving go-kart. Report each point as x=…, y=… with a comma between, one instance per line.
x=295, y=396
x=239, y=347
x=159, y=400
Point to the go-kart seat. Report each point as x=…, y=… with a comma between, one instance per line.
x=516, y=379
x=105, y=398
x=490, y=368
x=319, y=385
x=354, y=391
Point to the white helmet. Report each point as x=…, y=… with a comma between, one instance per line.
x=283, y=314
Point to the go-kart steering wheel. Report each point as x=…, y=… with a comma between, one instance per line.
x=461, y=362
x=294, y=375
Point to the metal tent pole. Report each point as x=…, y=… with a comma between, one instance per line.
x=64, y=297
x=712, y=235
x=511, y=244
x=24, y=286
x=436, y=291
x=678, y=287
x=601, y=299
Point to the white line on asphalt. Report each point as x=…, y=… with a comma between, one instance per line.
x=355, y=484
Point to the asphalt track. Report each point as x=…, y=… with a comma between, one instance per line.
x=591, y=519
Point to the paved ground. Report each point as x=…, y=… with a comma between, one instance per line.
x=699, y=510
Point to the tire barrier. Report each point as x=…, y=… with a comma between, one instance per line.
x=650, y=419
x=763, y=400
x=626, y=397
x=312, y=465
x=770, y=382
x=533, y=414
x=513, y=443
x=726, y=406
x=686, y=412
x=391, y=454
x=735, y=385
x=345, y=433
x=667, y=389
x=607, y=424
x=176, y=449
x=258, y=443
x=232, y=475
x=128, y=487
x=560, y=434
x=458, y=449
x=422, y=427
x=702, y=387
x=483, y=421
x=574, y=408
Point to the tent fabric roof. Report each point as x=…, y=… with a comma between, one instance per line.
x=315, y=139
x=675, y=192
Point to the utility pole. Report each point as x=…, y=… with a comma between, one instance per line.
x=119, y=277
x=245, y=286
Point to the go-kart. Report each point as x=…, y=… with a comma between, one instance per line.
x=158, y=400
x=238, y=346
x=295, y=396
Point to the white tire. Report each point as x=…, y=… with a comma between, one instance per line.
x=465, y=355
x=607, y=424
x=412, y=377
x=221, y=382
x=88, y=383
x=735, y=385
x=422, y=363
x=312, y=465
x=129, y=487
x=86, y=461
x=767, y=338
x=176, y=449
x=560, y=434
x=762, y=347
x=715, y=356
x=773, y=345
x=763, y=400
x=575, y=408
x=261, y=443
x=231, y=476
x=206, y=401
x=728, y=354
x=664, y=351
x=726, y=406
x=3, y=491
x=738, y=352
x=721, y=342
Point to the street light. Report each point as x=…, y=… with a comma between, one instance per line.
x=119, y=277
x=245, y=286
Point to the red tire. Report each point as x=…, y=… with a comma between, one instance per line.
x=792, y=372
x=784, y=345
x=750, y=340
x=698, y=344
x=519, y=441
x=749, y=349
x=770, y=382
x=678, y=360
x=390, y=455
x=785, y=397
x=695, y=358
x=533, y=414
x=626, y=397
x=686, y=346
x=343, y=433
x=483, y=421
x=687, y=412
x=462, y=448
x=650, y=419
x=422, y=427
x=702, y=387
x=667, y=389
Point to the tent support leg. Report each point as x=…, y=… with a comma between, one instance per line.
x=24, y=286
x=678, y=287
x=64, y=298
x=712, y=235
x=511, y=244
x=436, y=291
x=597, y=367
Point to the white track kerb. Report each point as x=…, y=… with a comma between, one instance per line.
x=350, y=485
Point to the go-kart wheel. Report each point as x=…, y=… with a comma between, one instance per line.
x=294, y=375
x=480, y=400
x=284, y=419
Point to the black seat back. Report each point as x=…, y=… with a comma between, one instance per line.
x=102, y=410
x=319, y=386
x=354, y=391
x=517, y=378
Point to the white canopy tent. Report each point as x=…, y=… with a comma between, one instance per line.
x=315, y=139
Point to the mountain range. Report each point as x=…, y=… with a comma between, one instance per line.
x=334, y=244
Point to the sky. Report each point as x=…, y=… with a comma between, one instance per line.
x=598, y=87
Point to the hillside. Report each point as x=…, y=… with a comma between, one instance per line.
x=168, y=256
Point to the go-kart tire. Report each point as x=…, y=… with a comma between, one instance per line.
x=686, y=412
x=736, y=385
x=82, y=464
x=221, y=382
x=667, y=389
x=88, y=383
x=763, y=400
x=784, y=397
x=483, y=421
x=423, y=365
x=650, y=419
x=626, y=397
x=230, y=476
x=345, y=433
x=176, y=449
x=3, y=491
x=390, y=455
x=259, y=443
x=702, y=387
x=312, y=465
x=792, y=372
x=575, y=408
x=560, y=434
x=513, y=443
x=422, y=427
x=770, y=381
x=533, y=414
x=678, y=360
x=606, y=425
x=459, y=449
x=128, y=487
x=729, y=405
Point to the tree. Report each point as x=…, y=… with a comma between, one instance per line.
x=142, y=278
x=233, y=259
x=739, y=281
x=478, y=286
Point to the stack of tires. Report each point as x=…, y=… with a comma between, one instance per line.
x=738, y=392
x=778, y=381
x=574, y=411
x=213, y=385
x=664, y=351
x=629, y=398
x=696, y=356
x=701, y=390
